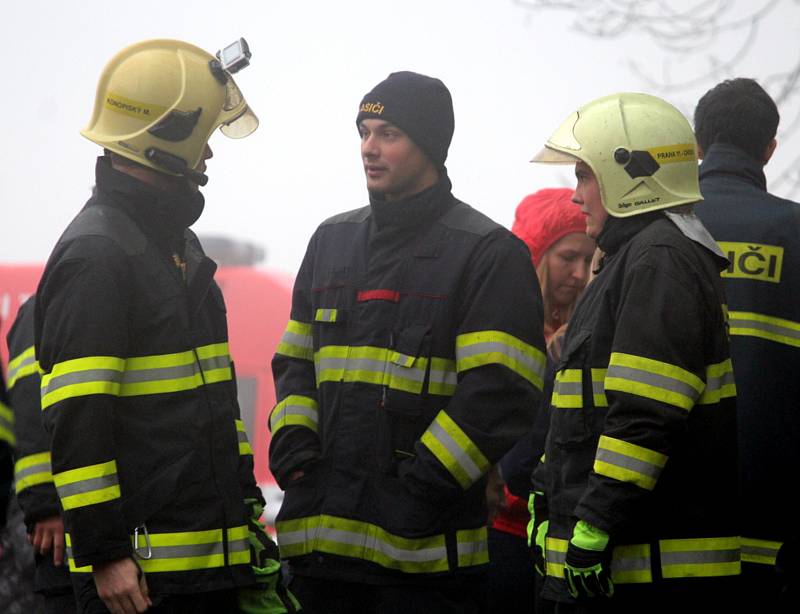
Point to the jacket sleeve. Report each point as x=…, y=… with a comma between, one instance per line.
x=36, y=492
x=656, y=375
x=293, y=421
x=500, y=361
x=81, y=342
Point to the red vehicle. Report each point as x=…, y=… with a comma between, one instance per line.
x=258, y=301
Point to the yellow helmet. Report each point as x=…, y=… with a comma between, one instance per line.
x=641, y=149
x=158, y=101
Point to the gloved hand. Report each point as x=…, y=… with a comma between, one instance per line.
x=262, y=548
x=537, y=529
x=587, y=569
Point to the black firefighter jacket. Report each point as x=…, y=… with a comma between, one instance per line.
x=642, y=440
x=412, y=361
x=149, y=454
x=760, y=235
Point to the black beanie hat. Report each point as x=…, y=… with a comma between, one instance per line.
x=420, y=106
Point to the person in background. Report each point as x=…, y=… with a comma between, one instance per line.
x=640, y=466
x=36, y=492
x=736, y=122
x=554, y=229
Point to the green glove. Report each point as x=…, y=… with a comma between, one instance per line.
x=537, y=529
x=587, y=569
x=268, y=595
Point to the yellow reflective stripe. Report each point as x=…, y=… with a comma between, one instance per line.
x=487, y=347
x=297, y=341
x=700, y=557
x=555, y=556
x=241, y=435
x=568, y=389
x=190, y=550
x=294, y=410
x=73, y=568
x=442, y=377
x=599, y=387
x=7, y=425
x=88, y=485
x=138, y=375
x=749, y=324
x=82, y=376
x=384, y=367
x=455, y=450
x=631, y=564
x=760, y=551
x=183, y=551
x=364, y=541
x=32, y=470
x=472, y=547
x=653, y=379
x=325, y=315
x=22, y=365
x=680, y=558
x=719, y=383
x=627, y=462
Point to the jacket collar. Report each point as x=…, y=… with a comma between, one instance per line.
x=723, y=158
x=163, y=216
x=619, y=230
x=415, y=210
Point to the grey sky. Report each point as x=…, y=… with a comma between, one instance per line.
x=514, y=76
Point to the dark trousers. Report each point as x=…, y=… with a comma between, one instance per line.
x=450, y=596
x=695, y=596
x=53, y=584
x=511, y=574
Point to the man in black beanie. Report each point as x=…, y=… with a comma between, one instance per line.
x=412, y=361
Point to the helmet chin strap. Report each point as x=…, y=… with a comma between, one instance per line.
x=176, y=165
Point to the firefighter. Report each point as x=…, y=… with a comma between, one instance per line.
x=6, y=458
x=736, y=122
x=149, y=455
x=412, y=361
x=33, y=478
x=639, y=471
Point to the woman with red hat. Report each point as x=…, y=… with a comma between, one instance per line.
x=554, y=230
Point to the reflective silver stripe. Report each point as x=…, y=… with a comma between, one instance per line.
x=555, y=556
x=82, y=377
x=628, y=462
x=569, y=388
x=88, y=485
x=767, y=327
x=486, y=347
x=462, y=458
x=189, y=550
x=443, y=377
x=43, y=467
x=629, y=563
x=26, y=362
x=160, y=373
x=693, y=557
x=294, y=410
x=652, y=379
x=718, y=382
x=372, y=542
x=475, y=547
x=749, y=550
x=303, y=341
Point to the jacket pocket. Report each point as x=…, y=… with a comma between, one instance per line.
x=404, y=411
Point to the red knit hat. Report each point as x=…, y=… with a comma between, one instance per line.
x=545, y=217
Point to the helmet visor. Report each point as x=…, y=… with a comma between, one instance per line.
x=241, y=126
x=548, y=155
